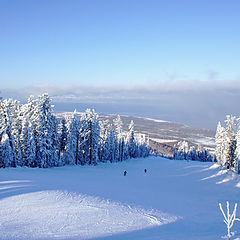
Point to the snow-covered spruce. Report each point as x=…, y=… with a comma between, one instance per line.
x=31, y=135
x=228, y=144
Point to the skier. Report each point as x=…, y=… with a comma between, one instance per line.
x=125, y=173
x=145, y=170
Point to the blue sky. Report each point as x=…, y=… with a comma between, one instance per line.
x=118, y=42
x=182, y=54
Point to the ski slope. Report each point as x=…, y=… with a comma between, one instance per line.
x=173, y=200
x=57, y=214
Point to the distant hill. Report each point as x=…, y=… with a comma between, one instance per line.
x=163, y=135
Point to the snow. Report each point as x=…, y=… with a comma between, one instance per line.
x=58, y=214
x=155, y=120
x=205, y=141
x=173, y=200
x=162, y=140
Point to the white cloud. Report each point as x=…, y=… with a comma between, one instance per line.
x=200, y=103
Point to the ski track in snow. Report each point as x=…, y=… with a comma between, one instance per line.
x=58, y=214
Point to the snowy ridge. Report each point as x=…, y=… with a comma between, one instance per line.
x=159, y=140
x=59, y=214
x=155, y=120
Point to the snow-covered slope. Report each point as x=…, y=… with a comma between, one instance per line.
x=173, y=200
x=58, y=214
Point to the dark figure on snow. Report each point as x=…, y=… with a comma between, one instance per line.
x=125, y=173
x=145, y=170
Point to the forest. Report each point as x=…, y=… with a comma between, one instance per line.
x=32, y=136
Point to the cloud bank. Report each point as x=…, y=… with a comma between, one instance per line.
x=196, y=103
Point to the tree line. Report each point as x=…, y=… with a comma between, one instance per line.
x=31, y=135
x=182, y=151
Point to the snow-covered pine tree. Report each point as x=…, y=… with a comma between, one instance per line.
x=7, y=145
x=54, y=139
x=237, y=153
x=44, y=132
x=230, y=138
x=203, y=155
x=14, y=107
x=104, y=132
x=181, y=150
x=188, y=154
x=178, y=152
x=122, y=152
x=28, y=109
x=3, y=120
x=73, y=148
x=144, y=150
x=90, y=135
x=6, y=129
x=116, y=146
x=193, y=154
x=63, y=138
x=28, y=145
x=220, y=145
x=131, y=143
x=120, y=139
x=125, y=149
x=7, y=154
x=3, y=127
x=111, y=145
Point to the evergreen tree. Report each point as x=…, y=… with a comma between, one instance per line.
x=28, y=145
x=7, y=130
x=118, y=126
x=181, y=150
x=237, y=153
x=220, y=145
x=91, y=136
x=111, y=146
x=44, y=130
x=73, y=149
x=144, y=150
x=7, y=154
x=104, y=132
x=3, y=120
x=63, y=138
x=13, y=108
x=131, y=143
x=230, y=138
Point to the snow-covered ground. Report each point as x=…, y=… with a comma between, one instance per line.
x=206, y=140
x=155, y=120
x=173, y=200
x=159, y=140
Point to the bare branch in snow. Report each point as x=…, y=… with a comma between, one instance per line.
x=229, y=219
